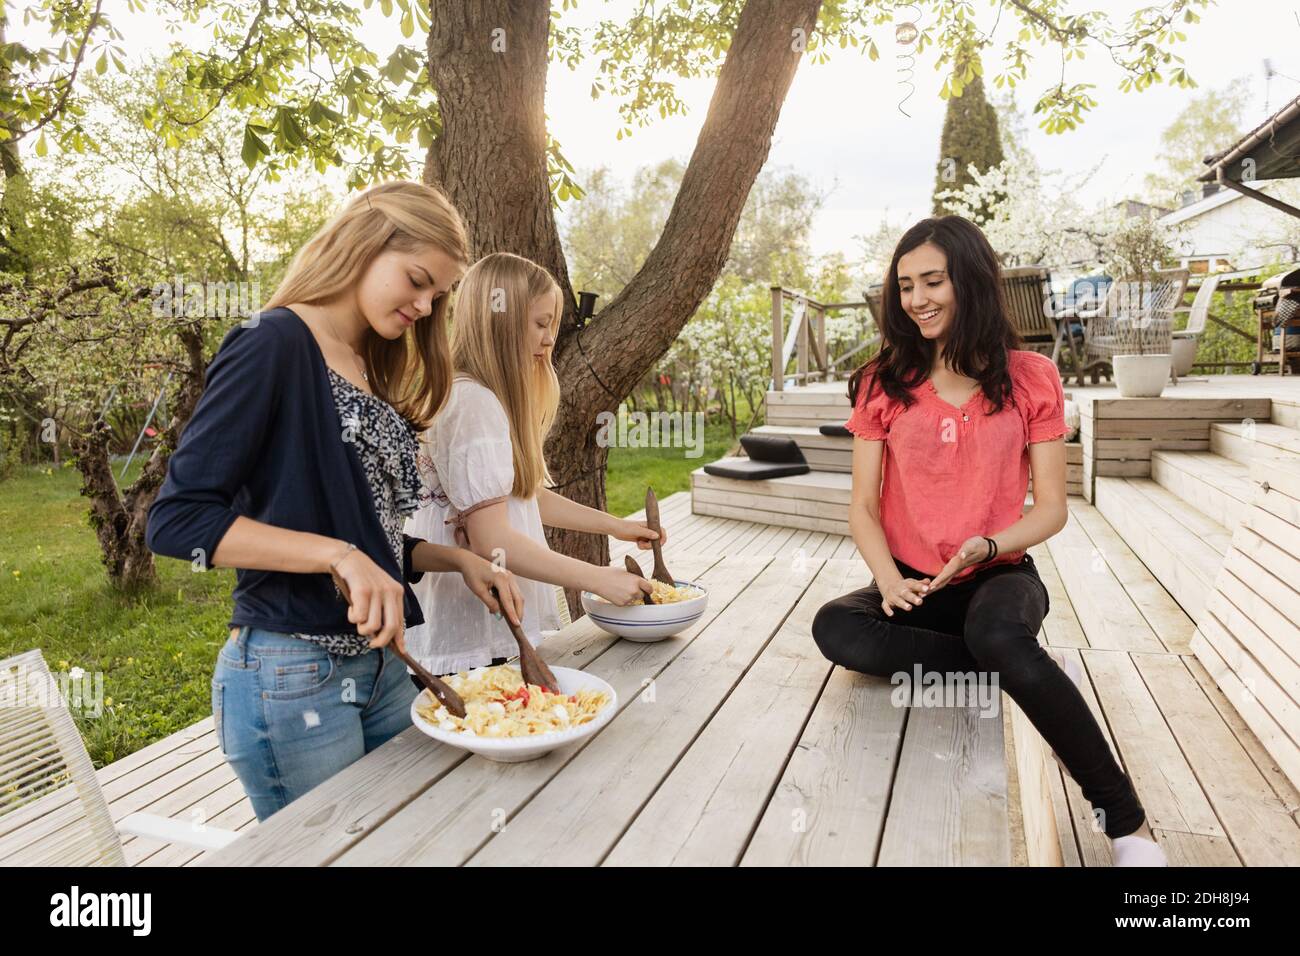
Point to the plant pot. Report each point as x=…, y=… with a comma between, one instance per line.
x=1184, y=356
x=1141, y=376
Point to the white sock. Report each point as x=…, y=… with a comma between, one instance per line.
x=1133, y=850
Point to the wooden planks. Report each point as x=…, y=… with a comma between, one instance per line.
x=1249, y=639
x=1185, y=559
x=949, y=803
x=1106, y=611
x=704, y=811
x=324, y=823
x=1259, y=824
x=451, y=820
x=579, y=817
x=1120, y=436
x=820, y=771
x=830, y=805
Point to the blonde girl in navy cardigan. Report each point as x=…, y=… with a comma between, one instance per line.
x=299, y=460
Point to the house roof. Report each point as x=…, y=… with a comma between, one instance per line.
x=1270, y=151
x=1200, y=206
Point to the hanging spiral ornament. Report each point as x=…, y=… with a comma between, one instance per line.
x=906, y=33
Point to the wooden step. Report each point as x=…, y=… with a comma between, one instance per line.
x=1250, y=640
x=1232, y=440
x=1183, y=547
x=1216, y=486
x=823, y=452
x=809, y=406
x=817, y=501
x=1286, y=412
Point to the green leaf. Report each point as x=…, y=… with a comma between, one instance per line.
x=387, y=7
x=102, y=63
x=253, y=148
x=41, y=146
x=408, y=23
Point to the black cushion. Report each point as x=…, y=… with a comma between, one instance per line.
x=750, y=470
x=772, y=448
x=835, y=431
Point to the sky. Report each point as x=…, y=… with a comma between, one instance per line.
x=841, y=126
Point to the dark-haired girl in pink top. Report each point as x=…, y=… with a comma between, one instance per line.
x=951, y=418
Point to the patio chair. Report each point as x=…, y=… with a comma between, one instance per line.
x=1028, y=294
x=1130, y=312
x=1184, y=341
x=52, y=810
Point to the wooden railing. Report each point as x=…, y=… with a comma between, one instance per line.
x=804, y=340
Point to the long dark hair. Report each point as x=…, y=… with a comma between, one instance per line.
x=981, y=335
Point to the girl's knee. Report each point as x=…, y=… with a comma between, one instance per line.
x=842, y=630
x=836, y=621
x=831, y=626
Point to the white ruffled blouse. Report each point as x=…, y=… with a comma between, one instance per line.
x=466, y=462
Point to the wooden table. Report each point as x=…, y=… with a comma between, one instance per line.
x=736, y=742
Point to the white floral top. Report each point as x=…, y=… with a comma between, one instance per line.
x=465, y=462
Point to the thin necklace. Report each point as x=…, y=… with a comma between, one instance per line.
x=361, y=364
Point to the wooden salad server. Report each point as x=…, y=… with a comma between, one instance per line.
x=531, y=665
x=448, y=697
x=633, y=568
x=652, y=522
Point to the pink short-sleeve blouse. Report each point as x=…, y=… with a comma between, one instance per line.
x=952, y=473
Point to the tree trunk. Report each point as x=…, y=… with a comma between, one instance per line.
x=11, y=169
x=490, y=158
x=119, y=518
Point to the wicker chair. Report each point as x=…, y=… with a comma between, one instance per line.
x=52, y=811
x=1136, y=316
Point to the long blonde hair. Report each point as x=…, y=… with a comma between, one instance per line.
x=413, y=372
x=489, y=343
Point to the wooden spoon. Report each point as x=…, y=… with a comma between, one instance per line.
x=633, y=568
x=531, y=665
x=448, y=697
x=652, y=522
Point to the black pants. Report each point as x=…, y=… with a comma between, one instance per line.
x=416, y=681
x=988, y=624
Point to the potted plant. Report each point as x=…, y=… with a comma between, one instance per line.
x=1141, y=325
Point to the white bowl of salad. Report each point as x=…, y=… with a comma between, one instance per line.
x=675, y=609
x=510, y=721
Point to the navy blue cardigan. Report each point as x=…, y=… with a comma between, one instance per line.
x=265, y=442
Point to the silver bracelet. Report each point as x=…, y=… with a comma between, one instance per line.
x=337, y=561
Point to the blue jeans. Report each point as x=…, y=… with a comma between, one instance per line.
x=289, y=714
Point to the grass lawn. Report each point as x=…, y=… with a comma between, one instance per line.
x=666, y=470
x=157, y=653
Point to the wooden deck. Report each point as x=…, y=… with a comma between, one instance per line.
x=772, y=756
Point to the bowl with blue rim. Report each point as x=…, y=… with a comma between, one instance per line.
x=647, y=622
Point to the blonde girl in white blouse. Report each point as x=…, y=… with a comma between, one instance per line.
x=484, y=473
